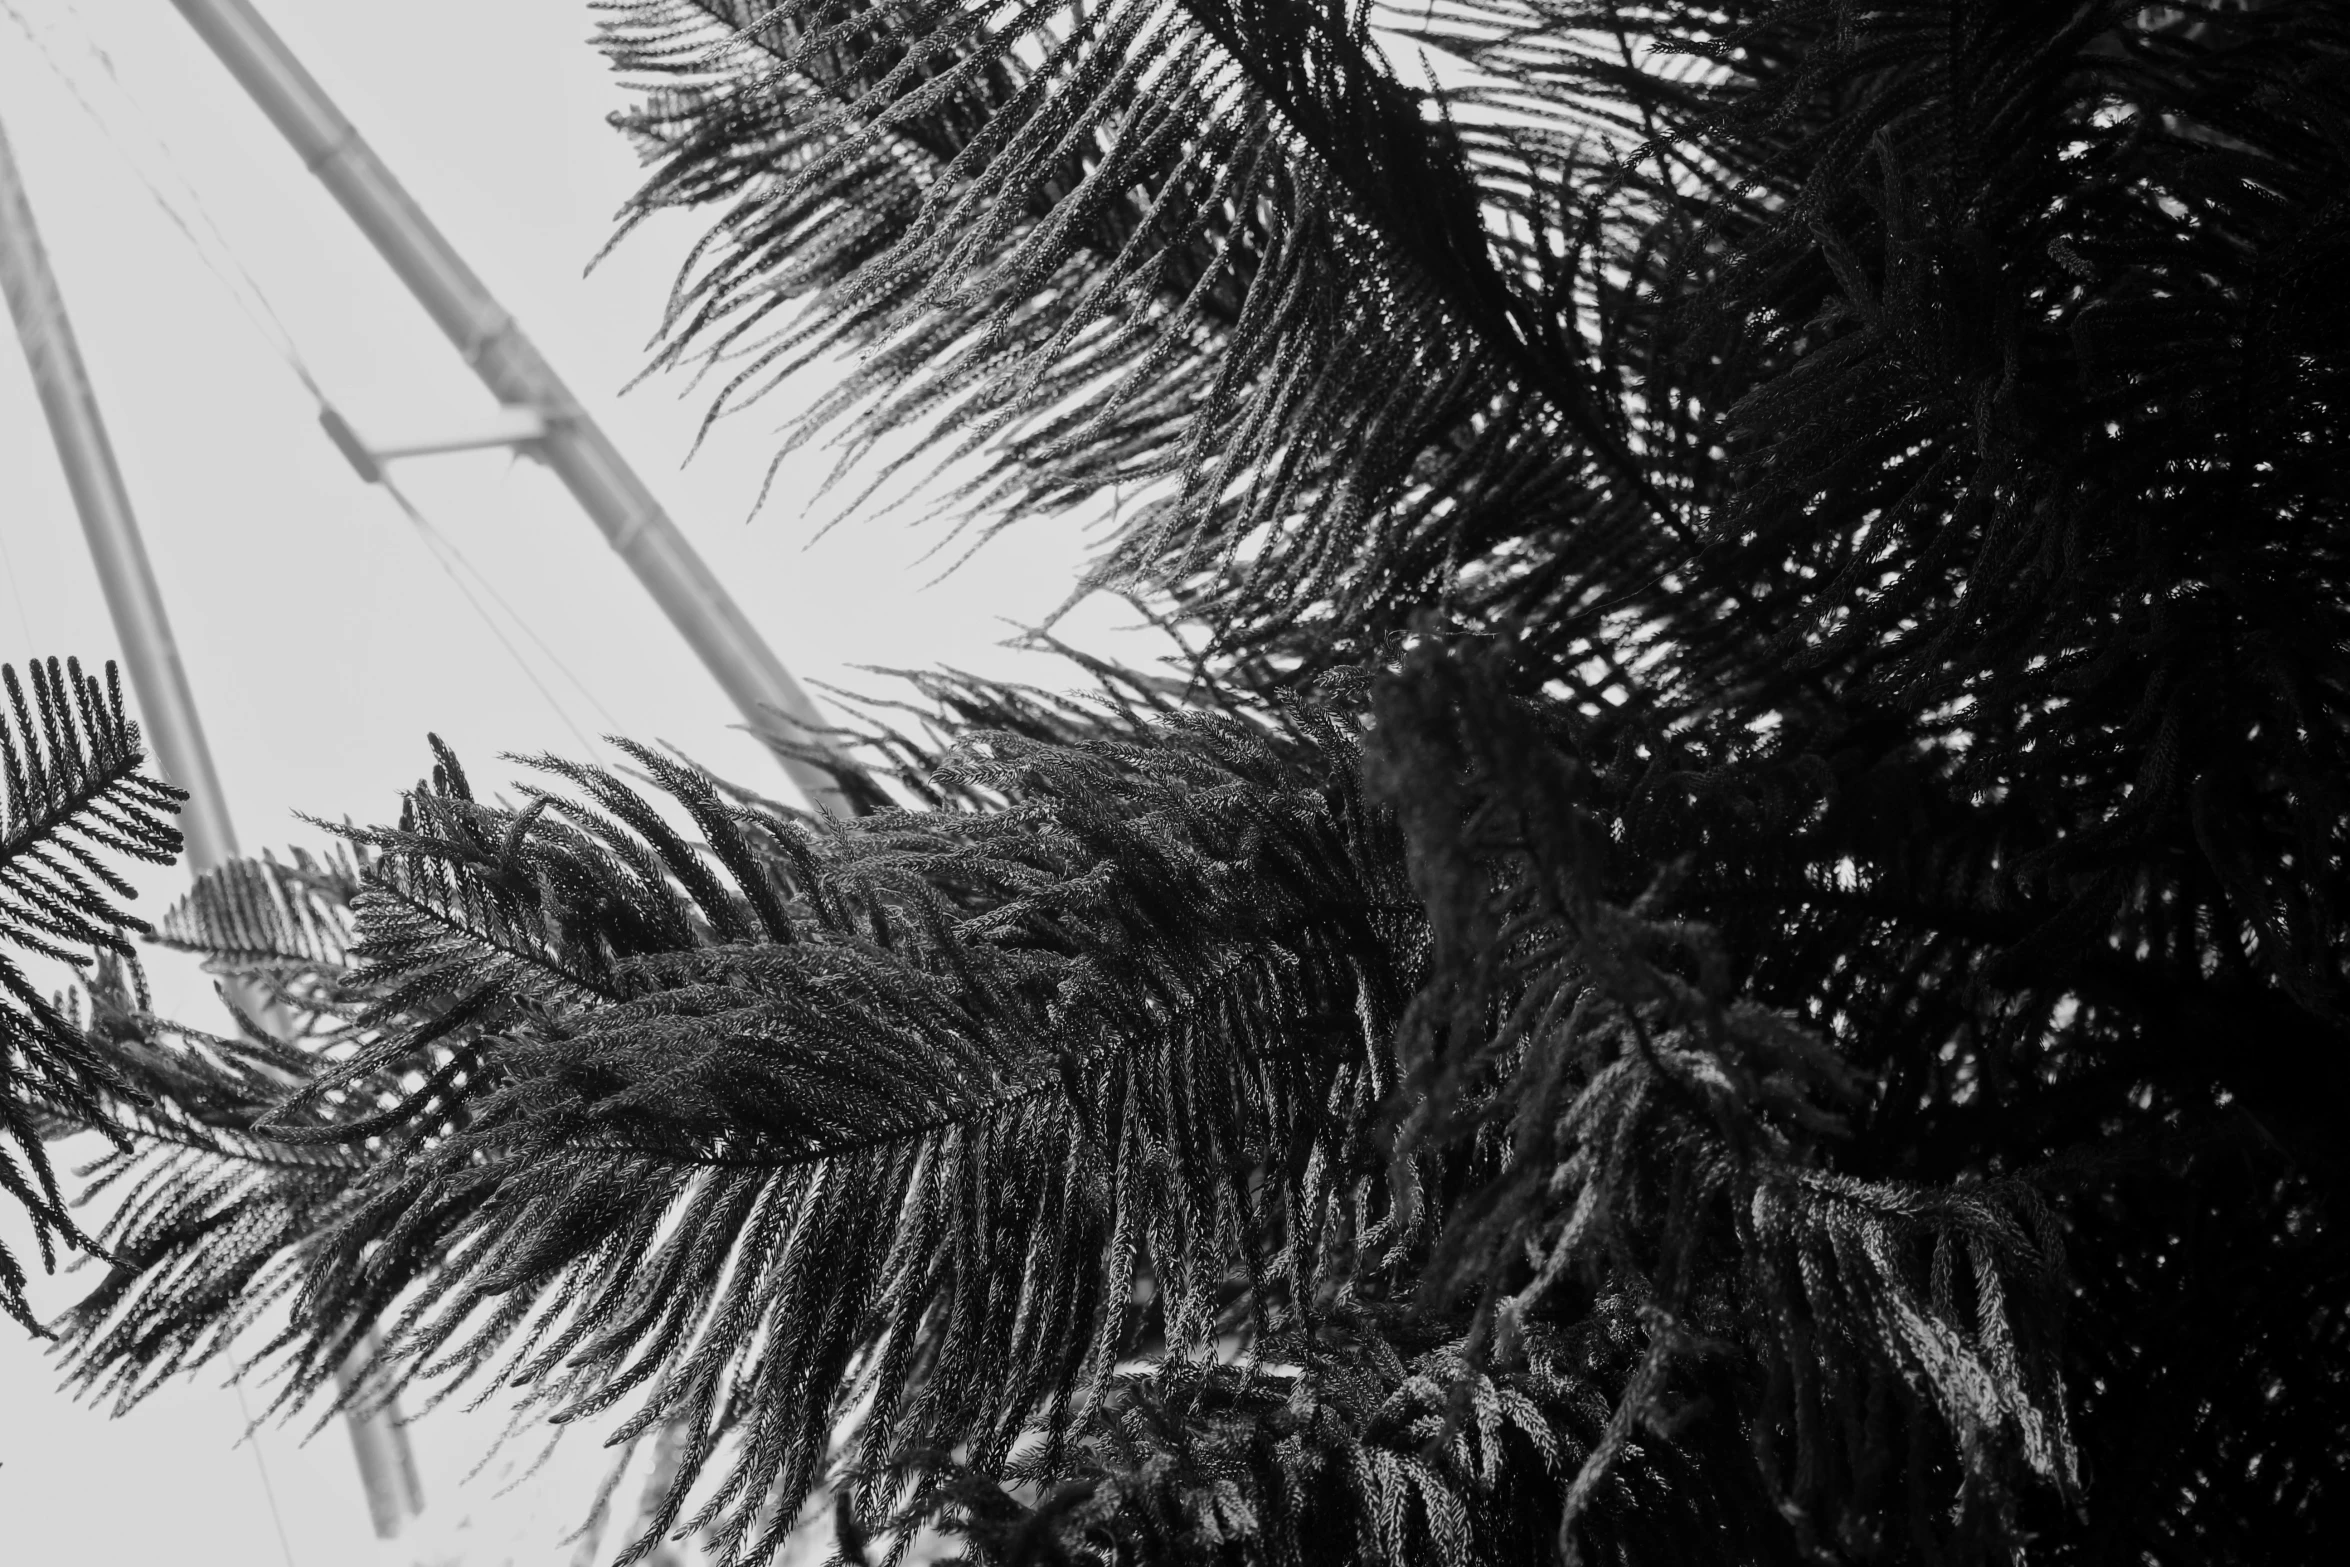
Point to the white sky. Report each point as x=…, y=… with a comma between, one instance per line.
x=321, y=639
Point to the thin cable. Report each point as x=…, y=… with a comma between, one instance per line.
x=521, y=622
x=436, y=544
x=514, y=461
x=285, y=1547
x=252, y=301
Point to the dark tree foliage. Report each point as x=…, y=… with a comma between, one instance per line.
x=1732, y=949
x=77, y=797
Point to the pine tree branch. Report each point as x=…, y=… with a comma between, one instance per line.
x=72, y=764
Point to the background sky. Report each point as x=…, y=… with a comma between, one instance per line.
x=322, y=639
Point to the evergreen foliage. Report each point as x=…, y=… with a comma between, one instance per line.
x=208, y=1210
x=76, y=798
x=1733, y=949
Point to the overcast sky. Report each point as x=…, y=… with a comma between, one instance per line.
x=322, y=639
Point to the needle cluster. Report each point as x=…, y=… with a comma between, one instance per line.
x=1730, y=949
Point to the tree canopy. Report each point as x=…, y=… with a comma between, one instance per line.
x=1729, y=948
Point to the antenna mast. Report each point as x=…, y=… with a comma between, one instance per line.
x=492, y=342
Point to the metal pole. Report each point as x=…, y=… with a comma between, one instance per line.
x=490, y=340
x=158, y=679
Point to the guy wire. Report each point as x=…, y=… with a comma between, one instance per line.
x=251, y=299
x=285, y=1546
x=521, y=622
x=435, y=544
x=253, y=302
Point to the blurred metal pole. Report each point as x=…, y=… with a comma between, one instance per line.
x=158, y=679
x=490, y=340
